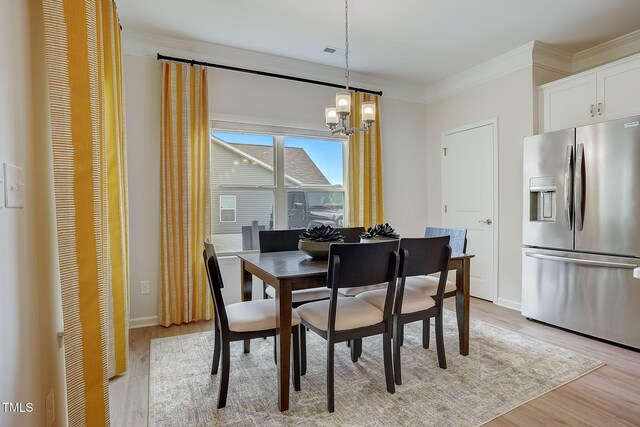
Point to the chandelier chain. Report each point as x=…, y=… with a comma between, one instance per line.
x=346, y=41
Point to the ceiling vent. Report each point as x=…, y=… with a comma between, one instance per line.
x=333, y=50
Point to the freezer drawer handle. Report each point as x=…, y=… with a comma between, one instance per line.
x=582, y=261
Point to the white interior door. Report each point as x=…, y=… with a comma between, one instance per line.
x=468, y=180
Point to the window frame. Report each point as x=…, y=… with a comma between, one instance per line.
x=235, y=207
x=279, y=187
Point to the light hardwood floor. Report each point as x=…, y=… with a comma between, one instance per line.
x=609, y=396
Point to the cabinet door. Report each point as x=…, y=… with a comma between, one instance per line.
x=570, y=103
x=619, y=91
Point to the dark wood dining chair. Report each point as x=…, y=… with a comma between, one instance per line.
x=287, y=240
x=349, y=319
x=418, y=256
x=241, y=321
x=428, y=285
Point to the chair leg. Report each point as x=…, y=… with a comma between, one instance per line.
x=426, y=333
x=216, y=349
x=397, y=370
x=296, y=356
x=303, y=350
x=401, y=336
x=356, y=349
x=264, y=296
x=442, y=361
x=247, y=346
x=330, y=377
x=224, y=377
x=275, y=350
x=388, y=364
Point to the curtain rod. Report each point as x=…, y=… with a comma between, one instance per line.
x=264, y=73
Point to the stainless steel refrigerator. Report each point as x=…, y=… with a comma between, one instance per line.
x=581, y=230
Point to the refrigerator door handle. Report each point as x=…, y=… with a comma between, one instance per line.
x=582, y=261
x=568, y=186
x=578, y=187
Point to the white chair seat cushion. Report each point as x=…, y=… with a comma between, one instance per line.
x=351, y=313
x=427, y=285
x=303, y=294
x=352, y=292
x=412, y=301
x=258, y=315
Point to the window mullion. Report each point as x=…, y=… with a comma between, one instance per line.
x=280, y=193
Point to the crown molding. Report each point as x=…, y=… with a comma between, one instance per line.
x=532, y=53
x=603, y=53
x=551, y=58
x=148, y=45
x=536, y=54
x=499, y=66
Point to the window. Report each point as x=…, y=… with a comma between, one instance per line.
x=227, y=208
x=268, y=181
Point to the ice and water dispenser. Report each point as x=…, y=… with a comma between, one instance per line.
x=542, y=193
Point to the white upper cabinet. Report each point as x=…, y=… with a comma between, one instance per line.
x=619, y=91
x=604, y=93
x=570, y=104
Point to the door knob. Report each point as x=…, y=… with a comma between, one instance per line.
x=487, y=221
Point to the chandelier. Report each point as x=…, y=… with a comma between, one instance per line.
x=337, y=116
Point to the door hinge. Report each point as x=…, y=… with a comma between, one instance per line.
x=445, y=151
x=445, y=208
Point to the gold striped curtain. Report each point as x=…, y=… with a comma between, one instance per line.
x=84, y=62
x=184, y=213
x=365, y=167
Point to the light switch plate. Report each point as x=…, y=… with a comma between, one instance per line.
x=13, y=186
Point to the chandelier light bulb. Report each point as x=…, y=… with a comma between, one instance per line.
x=368, y=111
x=330, y=114
x=343, y=102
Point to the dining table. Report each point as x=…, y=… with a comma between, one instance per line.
x=293, y=270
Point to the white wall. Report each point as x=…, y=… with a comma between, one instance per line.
x=405, y=166
x=510, y=99
x=31, y=362
x=261, y=100
x=142, y=84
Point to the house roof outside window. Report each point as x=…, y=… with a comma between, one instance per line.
x=299, y=166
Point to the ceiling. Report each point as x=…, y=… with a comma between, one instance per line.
x=414, y=41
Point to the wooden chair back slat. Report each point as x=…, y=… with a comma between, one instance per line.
x=362, y=264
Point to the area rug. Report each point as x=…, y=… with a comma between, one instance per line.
x=503, y=371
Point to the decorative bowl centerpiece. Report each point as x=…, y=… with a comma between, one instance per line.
x=379, y=232
x=315, y=241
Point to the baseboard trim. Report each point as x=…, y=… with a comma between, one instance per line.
x=143, y=322
x=506, y=303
